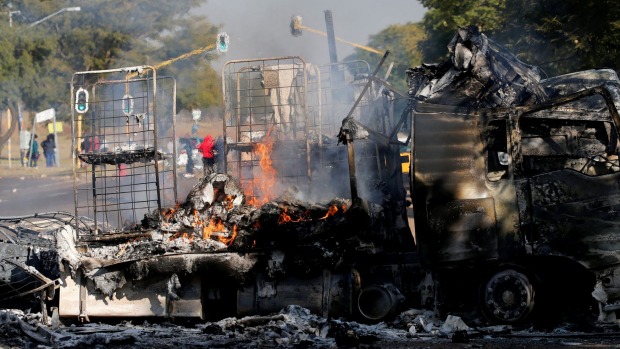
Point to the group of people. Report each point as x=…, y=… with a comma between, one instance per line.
x=212, y=152
x=49, y=151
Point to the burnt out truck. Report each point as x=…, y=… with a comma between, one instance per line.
x=513, y=189
x=514, y=182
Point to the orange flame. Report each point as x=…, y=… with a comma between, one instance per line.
x=167, y=213
x=286, y=218
x=228, y=241
x=182, y=235
x=197, y=221
x=330, y=212
x=217, y=226
x=229, y=201
x=212, y=226
x=267, y=180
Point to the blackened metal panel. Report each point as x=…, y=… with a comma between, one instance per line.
x=454, y=208
x=466, y=229
x=577, y=215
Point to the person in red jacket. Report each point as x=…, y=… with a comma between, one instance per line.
x=206, y=147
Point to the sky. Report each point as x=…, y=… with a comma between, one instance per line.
x=261, y=28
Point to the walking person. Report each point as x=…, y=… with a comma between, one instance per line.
x=208, y=160
x=49, y=149
x=188, y=147
x=34, y=152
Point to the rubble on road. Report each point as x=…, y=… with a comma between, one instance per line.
x=293, y=326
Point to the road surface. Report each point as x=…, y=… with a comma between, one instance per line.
x=35, y=194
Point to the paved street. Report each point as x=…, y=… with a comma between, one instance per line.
x=27, y=194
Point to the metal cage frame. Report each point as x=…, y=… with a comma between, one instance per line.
x=132, y=172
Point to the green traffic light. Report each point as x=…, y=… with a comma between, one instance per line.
x=81, y=105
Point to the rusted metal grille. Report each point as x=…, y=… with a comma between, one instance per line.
x=125, y=148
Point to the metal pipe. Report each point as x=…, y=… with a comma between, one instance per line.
x=331, y=37
x=352, y=175
x=378, y=302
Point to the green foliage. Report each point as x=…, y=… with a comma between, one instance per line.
x=445, y=16
x=401, y=40
x=37, y=63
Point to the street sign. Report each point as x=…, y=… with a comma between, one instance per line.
x=45, y=115
x=24, y=139
x=196, y=113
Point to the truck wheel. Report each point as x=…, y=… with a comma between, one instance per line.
x=507, y=297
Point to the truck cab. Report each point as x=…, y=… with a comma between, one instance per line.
x=522, y=202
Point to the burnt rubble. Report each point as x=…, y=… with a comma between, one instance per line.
x=125, y=155
x=478, y=74
x=215, y=229
x=293, y=326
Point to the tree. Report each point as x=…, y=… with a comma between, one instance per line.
x=565, y=36
x=444, y=17
x=36, y=63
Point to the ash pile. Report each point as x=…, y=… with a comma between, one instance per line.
x=293, y=326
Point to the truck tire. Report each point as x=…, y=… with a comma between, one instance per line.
x=507, y=296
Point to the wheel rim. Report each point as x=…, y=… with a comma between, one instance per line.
x=508, y=297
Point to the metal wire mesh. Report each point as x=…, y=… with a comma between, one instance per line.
x=125, y=146
x=281, y=119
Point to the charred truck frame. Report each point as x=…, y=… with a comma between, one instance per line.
x=516, y=177
x=514, y=184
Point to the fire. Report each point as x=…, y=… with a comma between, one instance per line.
x=331, y=211
x=197, y=221
x=214, y=225
x=228, y=241
x=229, y=201
x=169, y=212
x=182, y=235
x=286, y=218
x=217, y=226
x=267, y=180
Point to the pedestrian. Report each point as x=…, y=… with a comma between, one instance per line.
x=94, y=144
x=85, y=145
x=49, y=149
x=208, y=161
x=218, y=154
x=188, y=147
x=33, y=153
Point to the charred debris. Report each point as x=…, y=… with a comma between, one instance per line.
x=220, y=253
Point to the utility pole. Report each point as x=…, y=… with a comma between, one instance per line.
x=11, y=13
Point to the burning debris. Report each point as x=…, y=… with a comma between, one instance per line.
x=260, y=251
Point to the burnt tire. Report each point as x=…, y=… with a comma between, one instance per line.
x=507, y=297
